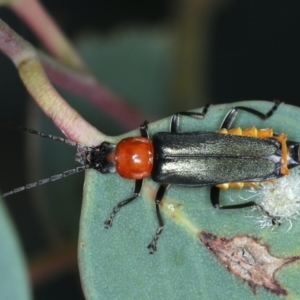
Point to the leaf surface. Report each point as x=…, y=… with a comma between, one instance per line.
x=115, y=263
x=14, y=282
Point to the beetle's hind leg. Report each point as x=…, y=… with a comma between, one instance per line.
x=274, y=219
x=215, y=201
x=198, y=115
x=230, y=117
x=159, y=196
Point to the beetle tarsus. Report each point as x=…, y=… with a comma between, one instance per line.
x=108, y=223
x=136, y=193
x=274, y=219
x=152, y=245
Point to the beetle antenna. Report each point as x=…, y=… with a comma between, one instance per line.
x=46, y=180
x=41, y=134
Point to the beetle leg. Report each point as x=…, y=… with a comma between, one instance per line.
x=144, y=130
x=136, y=193
x=215, y=193
x=215, y=201
x=274, y=219
x=175, y=118
x=230, y=117
x=159, y=196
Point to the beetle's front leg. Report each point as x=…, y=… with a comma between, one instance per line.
x=136, y=193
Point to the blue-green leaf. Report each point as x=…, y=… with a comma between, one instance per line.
x=115, y=263
x=14, y=283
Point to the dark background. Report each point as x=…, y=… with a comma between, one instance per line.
x=253, y=54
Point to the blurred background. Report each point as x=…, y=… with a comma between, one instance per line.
x=162, y=56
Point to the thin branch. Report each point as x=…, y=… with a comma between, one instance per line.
x=73, y=75
x=34, y=78
x=37, y=18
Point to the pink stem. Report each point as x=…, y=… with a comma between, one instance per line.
x=86, y=86
x=81, y=83
x=33, y=13
x=32, y=74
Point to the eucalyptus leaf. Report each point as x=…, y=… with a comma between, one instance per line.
x=115, y=263
x=14, y=281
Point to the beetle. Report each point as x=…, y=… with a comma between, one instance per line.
x=227, y=158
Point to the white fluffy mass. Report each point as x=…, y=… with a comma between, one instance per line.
x=280, y=199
